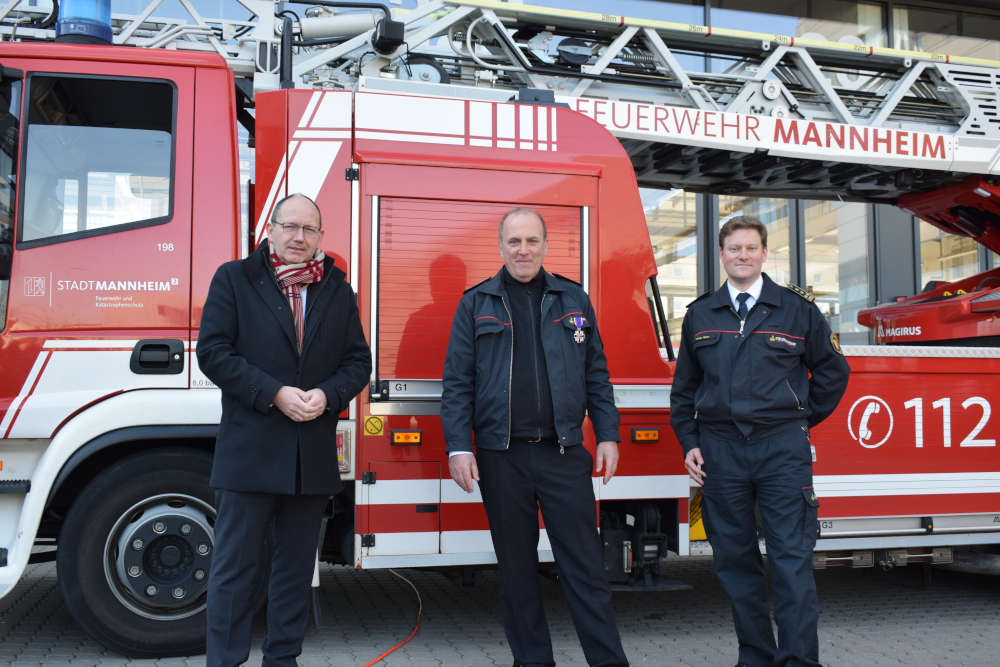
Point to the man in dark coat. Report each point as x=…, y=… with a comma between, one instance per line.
x=281, y=336
x=525, y=364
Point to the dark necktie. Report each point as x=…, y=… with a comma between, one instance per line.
x=742, y=311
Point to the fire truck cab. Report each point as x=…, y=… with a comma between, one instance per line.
x=119, y=200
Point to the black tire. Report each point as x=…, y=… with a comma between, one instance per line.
x=143, y=525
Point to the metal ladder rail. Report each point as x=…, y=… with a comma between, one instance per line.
x=897, y=89
x=631, y=59
x=929, y=92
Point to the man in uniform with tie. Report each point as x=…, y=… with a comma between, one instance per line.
x=757, y=367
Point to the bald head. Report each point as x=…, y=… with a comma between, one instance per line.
x=294, y=197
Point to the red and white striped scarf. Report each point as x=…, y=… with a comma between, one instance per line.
x=291, y=278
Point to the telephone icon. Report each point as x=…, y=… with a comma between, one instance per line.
x=865, y=433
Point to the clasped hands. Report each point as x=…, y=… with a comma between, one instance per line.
x=299, y=405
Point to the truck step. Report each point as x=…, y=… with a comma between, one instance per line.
x=15, y=485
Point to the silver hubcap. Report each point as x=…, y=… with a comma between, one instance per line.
x=157, y=556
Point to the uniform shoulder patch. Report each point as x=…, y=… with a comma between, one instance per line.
x=702, y=297
x=801, y=292
x=569, y=280
x=475, y=286
x=835, y=342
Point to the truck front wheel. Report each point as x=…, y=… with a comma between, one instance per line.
x=135, y=550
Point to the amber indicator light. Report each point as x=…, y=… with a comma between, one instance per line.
x=406, y=437
x=645, y=434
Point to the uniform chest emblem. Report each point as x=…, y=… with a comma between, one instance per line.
x=783, y=341
x=578, y=335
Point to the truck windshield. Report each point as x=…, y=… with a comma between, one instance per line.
x=10, y=102
x=98, y=156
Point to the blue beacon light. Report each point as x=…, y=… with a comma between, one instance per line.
x=84, y=22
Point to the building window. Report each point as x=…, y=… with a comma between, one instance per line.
x=677, y=11
x=846, y=21
x=836, y=264
x=943, y=31
x=672, y=221
x=833, y=20
x=775, y=214
x=946, y=256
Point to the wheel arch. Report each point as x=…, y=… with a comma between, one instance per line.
x=108, y=448
x=155, y=408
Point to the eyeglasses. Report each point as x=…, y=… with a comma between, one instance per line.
x=293, y=229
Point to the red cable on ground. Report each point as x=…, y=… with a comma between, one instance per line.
x=420, y=613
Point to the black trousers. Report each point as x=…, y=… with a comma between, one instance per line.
x=514, y=484
x=243, y=523
x=776, y=473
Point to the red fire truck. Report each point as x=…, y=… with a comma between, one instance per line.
x=122, y=197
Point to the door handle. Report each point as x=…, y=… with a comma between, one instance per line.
x=157, y=357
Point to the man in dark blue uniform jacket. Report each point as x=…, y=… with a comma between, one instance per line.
x=281, y=337
x=525, y=364
x=758, y=366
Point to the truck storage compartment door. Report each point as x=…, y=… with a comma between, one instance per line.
x=437, y=249
x=434, y=235
x=431, y=233
x=400, y=506
x=911, y=452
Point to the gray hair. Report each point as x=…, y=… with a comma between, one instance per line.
x=522, y=211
